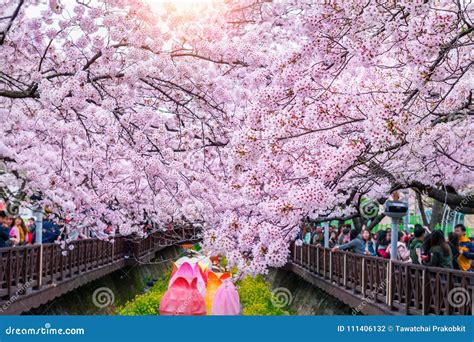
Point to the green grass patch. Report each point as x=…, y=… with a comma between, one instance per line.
x=255, y=297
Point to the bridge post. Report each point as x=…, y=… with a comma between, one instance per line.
x=317, y=258
x=9, y=273
x=324, y=263
x=294, y=252
x=301, y=254
x=345, y=269
x=330, y=266
x=112, y=259
x=424, y=293
x=363, y=280
x=390, y=284
x=309, y=257
x=40, y=267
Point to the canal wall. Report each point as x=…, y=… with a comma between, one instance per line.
x=303, y=297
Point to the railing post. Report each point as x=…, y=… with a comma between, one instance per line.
x=324, y=263
x=390, y=284
x=408, y=290
x=364, y=280
x=449, y=308
x=424, y=293
x=301, y=255
x=51, y=263
x=345, y=269
x=330, y=265
x=317, y=259
x=39, y=266
x=61, y=265
x=113, y=251
x=9, y=273
x=309, y=257
x=293, y=257
x=71, y=258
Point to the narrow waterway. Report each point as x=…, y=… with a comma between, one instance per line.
x=304, y=298
x=123, y=285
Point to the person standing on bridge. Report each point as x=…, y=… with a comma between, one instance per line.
x=307, y=234
x=344, y=234
x=416, y=244
x=403, y=254
x=440, y=253
x=383, y=240
x=4, y=230
x=463, y=260
x=453, y=242
x=359, y=244
x=332, y=239
x=15, y=235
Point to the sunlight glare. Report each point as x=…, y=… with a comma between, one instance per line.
x=179, y=4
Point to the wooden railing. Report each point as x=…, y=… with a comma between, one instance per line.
x=401, y=288
x=28, y=269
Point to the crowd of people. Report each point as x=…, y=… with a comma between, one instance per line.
x=14, y=231
x=420, y=247
x=17, y=231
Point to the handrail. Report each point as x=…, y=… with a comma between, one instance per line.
x=25, y=270
x=399, y=287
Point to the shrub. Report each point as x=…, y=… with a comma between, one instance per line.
x=148, y=303
x=143, y=305
x=261, y=309
x=256, y=297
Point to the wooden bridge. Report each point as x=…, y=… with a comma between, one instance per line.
x=377, y=286
x=33, y=275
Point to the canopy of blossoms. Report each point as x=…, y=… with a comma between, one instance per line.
x=247, y=116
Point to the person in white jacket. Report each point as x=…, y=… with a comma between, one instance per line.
x=403, y=253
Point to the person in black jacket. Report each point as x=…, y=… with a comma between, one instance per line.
x=51, y=231
x=453, y=242
x=4, y=231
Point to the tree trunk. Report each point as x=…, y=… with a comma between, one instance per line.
x=436, y=214
x=421, y=206
x=359, y=222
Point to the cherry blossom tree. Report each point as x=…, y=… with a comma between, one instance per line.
x=107, y=111
x=248, y=116
x=354, y=100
